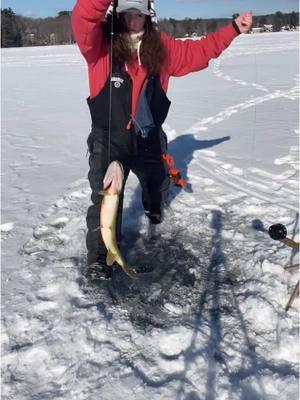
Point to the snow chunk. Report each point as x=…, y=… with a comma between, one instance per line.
x=173, y=309
x=79, y=194
x=237, y=171
x=42, y=231
x=7, y=227
x=59, y=222
x=270, y=267
x=173, y=344
x=208, y=153
x=45, y=306
x=259, y=314
x=283, y=160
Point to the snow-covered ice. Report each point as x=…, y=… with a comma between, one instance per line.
x=206, y=318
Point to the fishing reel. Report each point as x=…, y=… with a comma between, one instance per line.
x=278, y=232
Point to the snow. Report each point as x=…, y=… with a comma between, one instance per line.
x=205, y=319
x=7, y=227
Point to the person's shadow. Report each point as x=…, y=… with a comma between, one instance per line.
x=182, y=148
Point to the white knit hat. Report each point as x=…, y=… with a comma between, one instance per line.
x=133, y=5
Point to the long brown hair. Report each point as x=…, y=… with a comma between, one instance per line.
x=152, y=51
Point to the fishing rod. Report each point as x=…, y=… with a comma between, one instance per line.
x=111, y=12
x=279, y=232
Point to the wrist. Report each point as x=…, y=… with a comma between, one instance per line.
x=236, y=27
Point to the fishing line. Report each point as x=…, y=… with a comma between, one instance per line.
x=110, y=81
x=255, y=113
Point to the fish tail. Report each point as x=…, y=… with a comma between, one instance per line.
x=112, y=258
x=129, y=271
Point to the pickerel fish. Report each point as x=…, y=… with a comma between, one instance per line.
x=108, y=218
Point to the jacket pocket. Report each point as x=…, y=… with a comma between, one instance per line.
x=97, y=141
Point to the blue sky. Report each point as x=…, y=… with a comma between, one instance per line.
x=165, y=8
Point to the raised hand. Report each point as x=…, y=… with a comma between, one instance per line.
x=244, y=22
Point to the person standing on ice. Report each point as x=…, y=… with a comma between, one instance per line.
x=129, y=65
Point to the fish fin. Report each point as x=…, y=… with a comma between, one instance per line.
x=107, y=193
x=103, y=193
x=129, y=271
x=110, y=258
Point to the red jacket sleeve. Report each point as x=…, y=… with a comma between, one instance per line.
x=185, y=56
x=87, y=18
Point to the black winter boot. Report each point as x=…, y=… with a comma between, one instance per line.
x=99, y=270
x=154, y=219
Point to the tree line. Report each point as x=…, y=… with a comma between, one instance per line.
x=199, y=26
x=18, y=31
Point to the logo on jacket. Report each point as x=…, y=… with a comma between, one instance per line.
x=117, y=82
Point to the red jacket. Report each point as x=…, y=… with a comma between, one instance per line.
x=183, y=57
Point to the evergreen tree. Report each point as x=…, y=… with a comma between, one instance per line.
x=278, y=21
x=64, y=13
x=10, y=32
x=262, y=20
x=211, y=25
x=294, y=19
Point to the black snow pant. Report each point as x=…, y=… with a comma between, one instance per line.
x=152, y=173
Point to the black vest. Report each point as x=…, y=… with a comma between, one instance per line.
x=124, y=139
